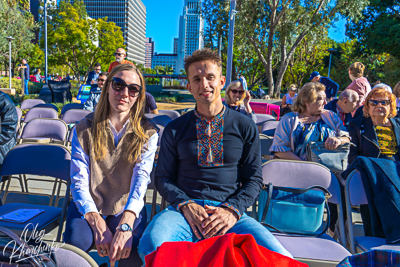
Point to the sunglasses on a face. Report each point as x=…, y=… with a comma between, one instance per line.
x=374, y=103
x=237, y=92
x=118, y=54
x=101, y=80
x=97, y=69
x=119, y=85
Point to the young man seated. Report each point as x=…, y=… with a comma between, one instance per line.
x=209, y=167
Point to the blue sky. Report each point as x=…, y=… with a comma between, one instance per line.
x=163, y=23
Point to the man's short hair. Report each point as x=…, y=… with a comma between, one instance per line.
x=202, y=55
x=97, y=65
x=103, y=74
x=24, y=59
x=351, y=95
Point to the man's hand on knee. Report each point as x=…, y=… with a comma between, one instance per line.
x=221, y=219
x=195, y=215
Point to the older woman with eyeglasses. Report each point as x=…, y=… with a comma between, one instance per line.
x=112, y=156
x=377, y=133
x=237, y=98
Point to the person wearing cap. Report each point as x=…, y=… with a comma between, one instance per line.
x=331, y=88
x=344, y=106
x=237, y=98
x=120, y=55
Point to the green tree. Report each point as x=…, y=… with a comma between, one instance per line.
x=276, y=28
x=17, y=22
x=379, y=28
x=77, y=41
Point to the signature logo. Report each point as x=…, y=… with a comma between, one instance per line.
x=20, y=251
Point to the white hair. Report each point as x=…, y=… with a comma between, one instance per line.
x=351, y=95
x=384, y=86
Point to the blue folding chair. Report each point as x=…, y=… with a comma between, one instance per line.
x=355, y=196
x=38, y=159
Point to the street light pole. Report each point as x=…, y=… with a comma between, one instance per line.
x=9, y=38
x=230, y=42
x=331, y=51
x=45, y=41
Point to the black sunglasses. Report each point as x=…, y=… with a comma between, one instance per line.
x=101, y=80
x=374, y=103
x=118, y=54
x=237, y=91
x=119, y=85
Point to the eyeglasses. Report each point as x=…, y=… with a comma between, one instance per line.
x=118, y=54
x=237, y=92
x=97, y=69
x=374, y=103
x=101, y=80
x=119, y=85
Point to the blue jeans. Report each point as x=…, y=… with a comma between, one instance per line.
x=171, y=225
x=26, y=92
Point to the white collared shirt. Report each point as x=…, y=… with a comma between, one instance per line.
x=80, y=175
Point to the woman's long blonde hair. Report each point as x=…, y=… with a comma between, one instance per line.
x=136, y=118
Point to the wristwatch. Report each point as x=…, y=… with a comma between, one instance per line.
x=124, y=227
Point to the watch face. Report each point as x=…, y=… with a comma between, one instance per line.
x=125, y=227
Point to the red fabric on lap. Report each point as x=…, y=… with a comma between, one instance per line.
x=225, y=251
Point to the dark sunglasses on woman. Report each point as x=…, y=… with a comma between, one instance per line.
x=119, y=85
x=374, y=103
x=237, y=91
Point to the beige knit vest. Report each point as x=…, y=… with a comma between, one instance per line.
x=110, y=178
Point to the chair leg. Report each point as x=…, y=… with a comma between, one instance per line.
x=21, y=183
x=7, y=187
x=153, y=205
x=26, y=183
x=253, y=210
x=163, y=204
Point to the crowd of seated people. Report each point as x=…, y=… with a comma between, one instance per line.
x=209, y=164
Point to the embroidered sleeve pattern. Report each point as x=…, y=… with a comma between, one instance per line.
x=229, y=206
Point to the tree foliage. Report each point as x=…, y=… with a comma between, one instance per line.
x=17, y=22
x=276, y=28
x=379, y=28
x=77, y=41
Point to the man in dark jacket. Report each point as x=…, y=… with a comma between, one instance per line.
x=344, y=106
x=9, y=122
x=94, y=75
x=331, y=88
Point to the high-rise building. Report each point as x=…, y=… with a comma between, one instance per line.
x=191, y=28
x=165, y=60
x=130, y=16
x=176, y=43
x=149, y=52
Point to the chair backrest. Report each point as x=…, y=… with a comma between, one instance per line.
x=54, y=161
x=160, y=119
x=75, y=115
x=47, y=106
x=265, y=143
x=301, y=174
x=31, y=103
x=70, y=134
x=45, y=128
x=71, y=106
x=269, y=128
x=261, y=108
x=36, y=113
x=274, y=108
x=355, y=189
x=173, y=114
x=160, y=133
x=262, y=119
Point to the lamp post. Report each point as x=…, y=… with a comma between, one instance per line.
x=45, y=17
x=9, y=38
x=230, y=42
x=331, y=51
